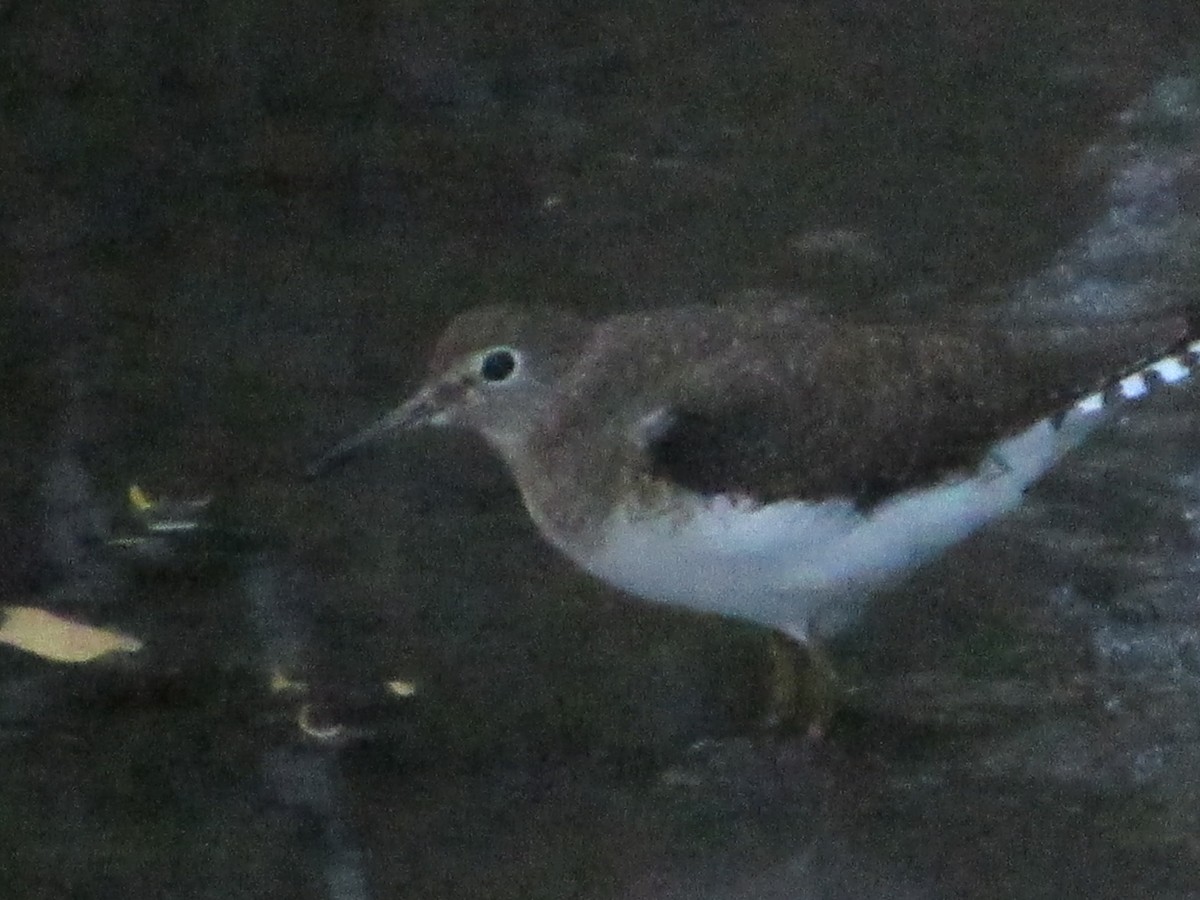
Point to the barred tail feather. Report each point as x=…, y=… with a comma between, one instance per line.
x=1173, y=368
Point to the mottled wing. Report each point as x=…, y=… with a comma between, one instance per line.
x=866, y=412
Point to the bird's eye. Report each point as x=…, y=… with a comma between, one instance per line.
x=497, y=364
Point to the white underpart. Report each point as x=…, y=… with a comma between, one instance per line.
x=807, y=567
x=810, y=566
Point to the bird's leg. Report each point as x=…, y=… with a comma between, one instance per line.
x=803, y=689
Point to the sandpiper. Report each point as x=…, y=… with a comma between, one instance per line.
x=767, y=463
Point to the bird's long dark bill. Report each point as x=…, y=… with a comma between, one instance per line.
x=412, y=414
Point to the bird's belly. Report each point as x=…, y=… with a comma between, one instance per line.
x=802, y=565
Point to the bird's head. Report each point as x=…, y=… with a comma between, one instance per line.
x=493, y=371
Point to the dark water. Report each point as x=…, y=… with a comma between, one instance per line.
x=229, y=234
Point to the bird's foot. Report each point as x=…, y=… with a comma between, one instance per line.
x=803, y=692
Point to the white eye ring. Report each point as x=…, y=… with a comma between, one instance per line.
x=498, y=364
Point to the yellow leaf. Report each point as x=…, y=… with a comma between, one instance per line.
x=56, y=638
x=401, y=687
x=139, y=499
